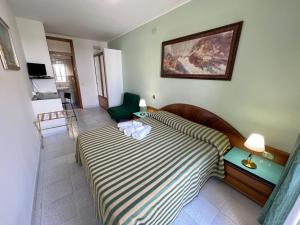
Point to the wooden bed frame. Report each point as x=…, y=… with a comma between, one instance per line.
x=209, y=119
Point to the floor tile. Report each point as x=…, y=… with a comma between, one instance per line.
x=60, y=211
x=221, y=219
x=241, y=209
x=83, y=198
x=56, y=174
x=59, y=151
x=201, y=210
x=57, y=190
x=66, y=159
x=78, y=180
x=51, y=141
x=73, y=221
x=185, y=219
x=216, y=192
x=75, y=168
x=88, y=216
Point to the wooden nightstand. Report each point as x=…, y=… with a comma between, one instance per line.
x=257, y=184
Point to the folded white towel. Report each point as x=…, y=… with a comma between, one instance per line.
x=130, y=130
x=129, y=123
x=141, y=132
x=136, y=123
x=125, y=124
x=124, y=128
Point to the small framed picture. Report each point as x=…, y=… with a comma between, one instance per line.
x=7, y=52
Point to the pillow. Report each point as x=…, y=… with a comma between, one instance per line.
x=195, y=130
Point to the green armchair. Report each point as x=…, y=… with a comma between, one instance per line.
x=124, y=111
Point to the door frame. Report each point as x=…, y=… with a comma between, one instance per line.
x=70, y=41
x=102, y=96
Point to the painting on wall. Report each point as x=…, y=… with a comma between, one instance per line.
x=205, y=55
x=7, y=51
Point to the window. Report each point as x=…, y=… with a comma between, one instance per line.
x=60, y=71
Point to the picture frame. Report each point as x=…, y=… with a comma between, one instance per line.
x=206, y=55
x=7, y=52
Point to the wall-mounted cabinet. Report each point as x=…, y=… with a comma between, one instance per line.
x=109, y=77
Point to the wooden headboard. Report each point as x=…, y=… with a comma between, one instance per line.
x=206, y=118
x=209, y=119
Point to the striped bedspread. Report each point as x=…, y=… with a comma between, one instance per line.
x=149, y=181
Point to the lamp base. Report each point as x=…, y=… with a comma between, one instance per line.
x=249, y=164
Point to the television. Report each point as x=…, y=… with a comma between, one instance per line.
x=36, y=70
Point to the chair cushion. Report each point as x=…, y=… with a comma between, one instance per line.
x=131, y=100
x=120, y=112
x=118, y=109
x=124, y=111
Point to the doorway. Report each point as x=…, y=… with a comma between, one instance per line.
x=101, y=82
x=62, y=57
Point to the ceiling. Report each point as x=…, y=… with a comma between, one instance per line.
x=93, y=19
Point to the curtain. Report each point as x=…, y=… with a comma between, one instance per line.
x=294, y=216
x=285, y=194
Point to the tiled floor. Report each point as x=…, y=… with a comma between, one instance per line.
x=63, y=196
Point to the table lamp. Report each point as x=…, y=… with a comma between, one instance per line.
x=256, y=143
x=143, y=107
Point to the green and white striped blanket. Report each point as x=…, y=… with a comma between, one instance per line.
x=149, y=181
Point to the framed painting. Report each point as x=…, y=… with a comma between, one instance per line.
x=7, y=51
x=205, y=55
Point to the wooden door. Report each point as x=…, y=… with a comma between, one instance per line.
x=101, y=80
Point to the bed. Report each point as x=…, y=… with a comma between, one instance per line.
x=149, y=181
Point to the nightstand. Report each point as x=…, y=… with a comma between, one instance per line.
x=138, y=115
x=257, y=184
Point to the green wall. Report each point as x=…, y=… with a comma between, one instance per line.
x=264, y=94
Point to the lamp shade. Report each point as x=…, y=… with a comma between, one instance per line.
x=255, y=142
x=142, y=103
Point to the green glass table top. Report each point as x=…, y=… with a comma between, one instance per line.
x=141, y=114
x=266, y=169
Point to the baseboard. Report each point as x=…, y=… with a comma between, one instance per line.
x=36, y=187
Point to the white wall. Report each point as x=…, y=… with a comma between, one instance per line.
x=33, y=38
x=19, y=141
x=84, y=51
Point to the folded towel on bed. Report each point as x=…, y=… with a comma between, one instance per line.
x=130, y=130
x=135, y=129
x=124, y=128
x=141, y=132
x=128, y=124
